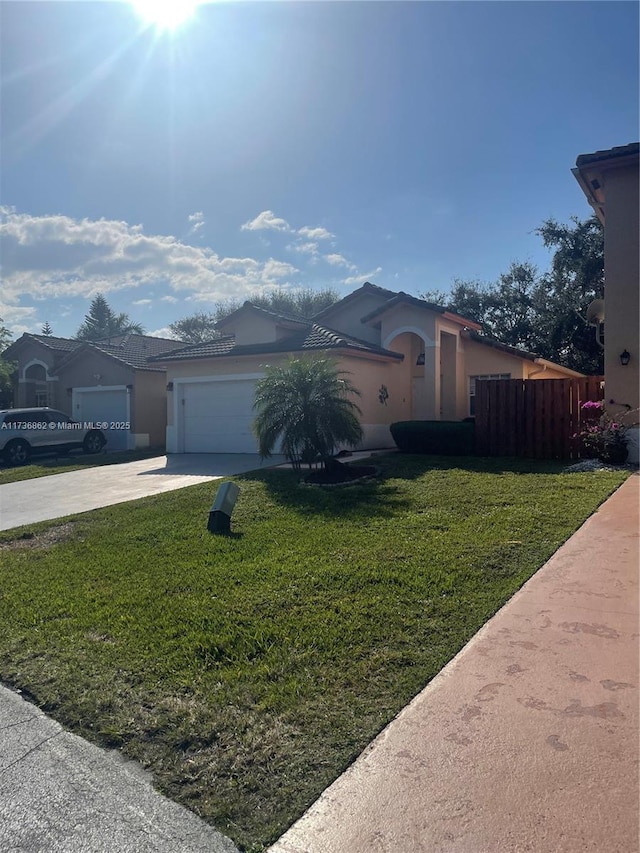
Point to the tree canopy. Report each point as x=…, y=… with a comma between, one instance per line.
x=47, y=331
x=306, y=404
x=544, y=313
x=7, y=369
x=302, y=303
x=101, y=322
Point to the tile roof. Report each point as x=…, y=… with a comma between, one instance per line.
x=367, y=287
x=64, y=344
x=609, y=154
x=133, y=350
x=401, y=297
x=312, y=337
x=273, y=315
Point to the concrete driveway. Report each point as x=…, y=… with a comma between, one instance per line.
x=58, y=495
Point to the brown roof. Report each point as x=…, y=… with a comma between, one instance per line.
x=609, y=154
x=312, y=337
x=367, y=287
x=401, y=297
x=287, y=319
x=133, y=350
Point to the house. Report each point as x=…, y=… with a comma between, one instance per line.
x=610, y=180
x=409, y=359
x=109, y=381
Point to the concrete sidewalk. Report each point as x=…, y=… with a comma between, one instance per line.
x=528, y=739
x=61, y=794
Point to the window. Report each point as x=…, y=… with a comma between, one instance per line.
x=42, y=397
x=472, y=387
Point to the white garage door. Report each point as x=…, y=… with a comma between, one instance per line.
x=106, y=405
x=217, y=417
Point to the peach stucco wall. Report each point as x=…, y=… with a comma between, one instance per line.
x=622, y=284
x=348, y=318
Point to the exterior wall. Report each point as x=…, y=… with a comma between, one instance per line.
x=251, y=328
x=367, y=376
x=24, y=391
x=622, y=283
x=82, y=373
x=379, y=409
x=149, y=408
x=347, y=318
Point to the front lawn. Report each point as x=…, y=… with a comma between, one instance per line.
x=44, y=466
x=248, y=672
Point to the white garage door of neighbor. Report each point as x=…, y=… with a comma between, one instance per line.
x=107, y=406
x=217, y=417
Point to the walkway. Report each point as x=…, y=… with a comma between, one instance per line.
x=528, y=739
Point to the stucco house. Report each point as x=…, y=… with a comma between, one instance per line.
x=409, y=359
x=109, y=381
x=610, y=181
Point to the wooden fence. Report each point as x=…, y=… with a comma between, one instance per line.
x=536, y=418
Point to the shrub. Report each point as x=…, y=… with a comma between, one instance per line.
x=447, y=438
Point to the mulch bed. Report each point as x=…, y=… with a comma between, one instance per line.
x=340, y=476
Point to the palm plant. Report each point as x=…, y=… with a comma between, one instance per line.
x=306, y=404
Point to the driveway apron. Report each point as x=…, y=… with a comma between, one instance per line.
x=58, y=495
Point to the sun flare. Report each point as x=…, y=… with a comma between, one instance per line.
x=165, y=14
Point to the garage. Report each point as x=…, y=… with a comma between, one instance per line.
x=217, y=416
x=105, y=405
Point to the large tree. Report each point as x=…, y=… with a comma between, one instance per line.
x=542, y=313
x=7, y=369
x=302, y=303
x=307, y=405
x=101, y=322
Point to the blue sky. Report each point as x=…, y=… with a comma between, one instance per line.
x=293, y=144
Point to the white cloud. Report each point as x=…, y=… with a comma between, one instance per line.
x=168, y=299
x=360, y=279
x=198, y=221
x=142, y=302
x=315, y=233
x=55, y=256
x=338, y=260
x=310, y=249
x=267, y=220
x=16, y=318
x=164, y=332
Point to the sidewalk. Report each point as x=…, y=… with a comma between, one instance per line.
x=528, y=739
x=61, y=794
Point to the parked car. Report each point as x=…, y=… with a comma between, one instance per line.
x=27, y=431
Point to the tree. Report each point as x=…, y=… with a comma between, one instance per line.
x=544, y=314
x=7, y=369
x=575, y=279
x=302, y=303
x=306, y=404
x=102, y=322
x=47, y=331
x=196, y=328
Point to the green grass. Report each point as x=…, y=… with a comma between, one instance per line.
x=47, y=465
x=247, y=672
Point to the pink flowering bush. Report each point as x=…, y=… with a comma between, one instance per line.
x=605, y=439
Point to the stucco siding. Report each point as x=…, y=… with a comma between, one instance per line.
x=149, y=409
x=347, y=318
x=622, y=284
x=250, y=328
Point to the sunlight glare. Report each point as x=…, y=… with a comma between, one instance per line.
x=165, y=14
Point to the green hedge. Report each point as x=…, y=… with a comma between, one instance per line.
x=447, y=438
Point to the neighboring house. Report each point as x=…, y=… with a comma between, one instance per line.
x=409, y=359
x=108, y=381
x=610, y=180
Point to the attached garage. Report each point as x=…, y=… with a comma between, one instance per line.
x=107, y=405
x=216, y=416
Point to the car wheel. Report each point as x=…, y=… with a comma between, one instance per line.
x=93, y=442
x=17, y=452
